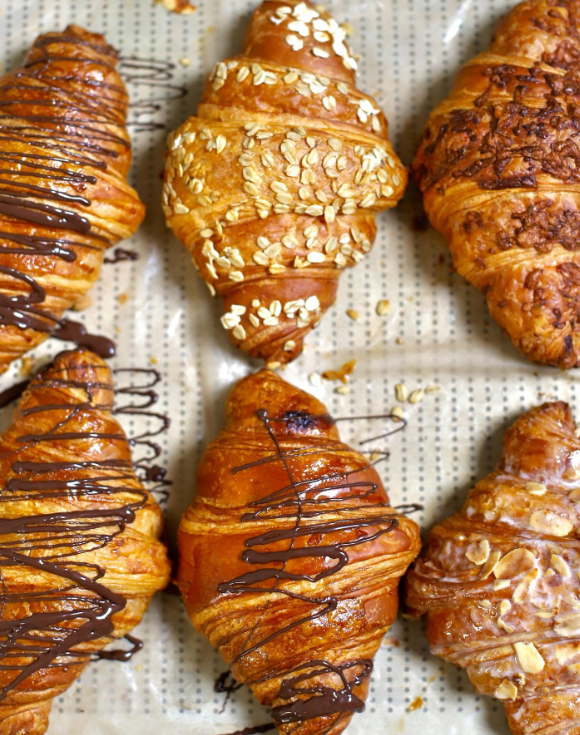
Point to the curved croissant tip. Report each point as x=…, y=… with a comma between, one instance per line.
x=554, y=411
x=95, y=39
x=268, y=391
x=539, y=443
x=80, y=364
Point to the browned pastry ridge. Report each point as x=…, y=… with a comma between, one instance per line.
x=64, y=198
x=79, y=552
x=290, y=556
x=499, y=168
x=498, y=581
x=275, y=185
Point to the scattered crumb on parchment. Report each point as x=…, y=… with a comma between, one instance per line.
x=178, y=6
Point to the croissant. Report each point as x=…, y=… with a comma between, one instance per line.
x=290, y=556
x=79, y=551
x=275, y=186
x=499, y=168
x=64, y=197
x=498, y=581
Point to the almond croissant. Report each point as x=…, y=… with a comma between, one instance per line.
x=64, y=197
x=79, y=551
x=499, y=167
x=498, y=581
x=275, y=186
x=290, y=556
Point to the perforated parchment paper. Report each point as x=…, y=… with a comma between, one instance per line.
x=436, y=332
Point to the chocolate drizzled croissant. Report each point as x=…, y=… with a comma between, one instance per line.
x=499, y=167
x=290, y=556
x=64, y=197
x=79, y=552
x=275, y=185
x=498, y=581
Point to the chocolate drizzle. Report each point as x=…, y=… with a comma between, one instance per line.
x=156, y=75
x=50, y=147
x=146, y=467
x=76, y=608
x=121, y=255
x=304, y=501
x=80, y=607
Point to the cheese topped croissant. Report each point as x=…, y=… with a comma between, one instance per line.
x=290, y=556
x=499, y=167
x=64, y=197
x=498, y=581
x=275, y=185
x=79, y=552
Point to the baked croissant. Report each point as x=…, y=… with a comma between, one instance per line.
x=499, y=167
x=290, y=556
x=275, y=186
x=498, y=581
x=79, y=552
x=64, y=197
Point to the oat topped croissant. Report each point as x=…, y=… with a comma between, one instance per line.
x=275, y=185
x=499, y=168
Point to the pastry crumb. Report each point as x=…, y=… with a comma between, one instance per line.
x=342, y=390
x=353, y=314
x=315, y=379
x=341, y=374
x=417, y=703
x=27, y=366
x=153, y=360
x=185, y=62
x=383, y=307
x=122, y=298
x=183, y=7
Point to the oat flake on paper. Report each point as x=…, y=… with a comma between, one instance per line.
x=436, y=331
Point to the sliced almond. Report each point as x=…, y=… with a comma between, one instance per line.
x=479, y=553
x=504, y=607
x=574, y=669
x=536, y=488
x=522, y=589
x=501, y=623
x=514, y=563
x=566, y=651
x=500, y=584
x=506, y=690
x=574, y=496
x=529, y=658
x=559, y=565
x=568, y=626
x=545, y=521
x=489, y=565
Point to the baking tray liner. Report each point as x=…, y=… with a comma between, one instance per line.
x=437, y=332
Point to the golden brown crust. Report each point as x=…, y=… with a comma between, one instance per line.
x=499, y=169
x=275, y=185
x=498, y=581
x=64, y=197
x=283, y=505
x=120, y=551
